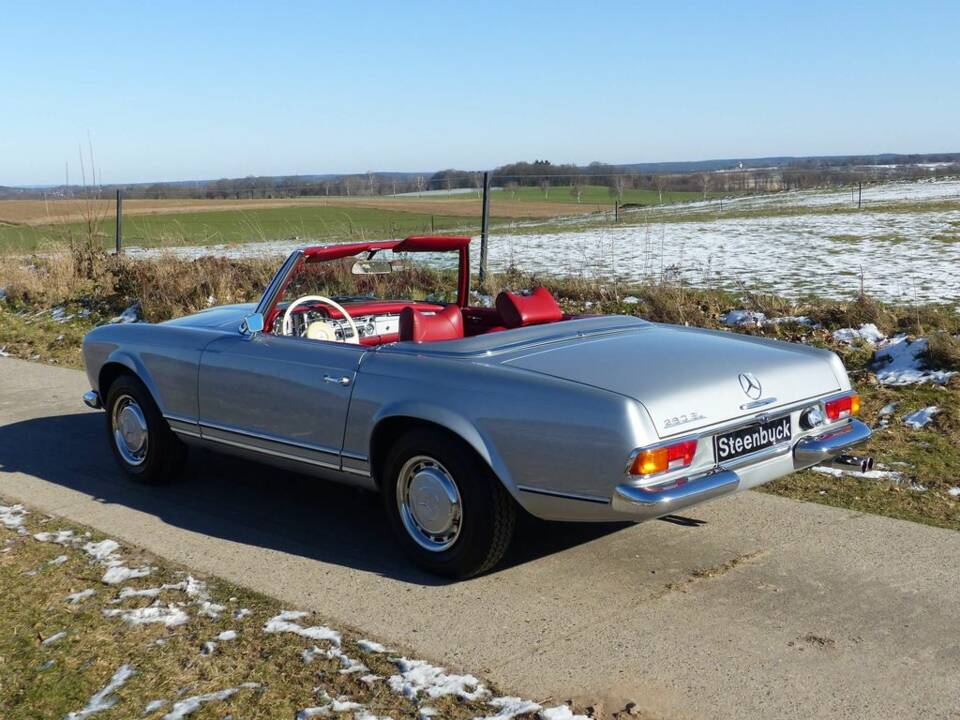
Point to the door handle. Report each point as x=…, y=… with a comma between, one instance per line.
x=338, y=380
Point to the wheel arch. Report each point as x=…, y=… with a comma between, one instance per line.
x=392, y=425
x=120, y=363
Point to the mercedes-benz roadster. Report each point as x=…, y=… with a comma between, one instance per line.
x=458, y=414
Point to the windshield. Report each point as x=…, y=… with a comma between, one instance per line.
x=378, y=275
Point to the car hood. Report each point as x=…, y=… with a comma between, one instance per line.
x=675, y=372
x=221, y=317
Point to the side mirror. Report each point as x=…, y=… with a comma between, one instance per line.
x=252, y=324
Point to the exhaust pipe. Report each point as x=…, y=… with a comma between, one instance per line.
x=847, y=462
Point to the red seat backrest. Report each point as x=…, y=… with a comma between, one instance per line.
x=416, y=325
x=534, y=309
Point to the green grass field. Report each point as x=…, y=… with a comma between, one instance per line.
x=596, y=195
x=240, y=226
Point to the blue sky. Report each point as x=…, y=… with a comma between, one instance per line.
x=204, y=89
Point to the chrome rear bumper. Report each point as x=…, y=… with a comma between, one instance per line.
x=646, y=503
x=812, y=451
x=653, y=502
x=91, y=398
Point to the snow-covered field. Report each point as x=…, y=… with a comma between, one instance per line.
x=906, y=255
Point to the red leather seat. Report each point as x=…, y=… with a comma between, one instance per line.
x=416, y=325
x=534, y=309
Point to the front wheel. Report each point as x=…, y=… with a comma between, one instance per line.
x=142, y=443
x=450, y=512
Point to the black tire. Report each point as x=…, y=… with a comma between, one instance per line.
x=163, y=453
x=488, y=512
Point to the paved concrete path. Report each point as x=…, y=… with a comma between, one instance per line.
x=765, y=607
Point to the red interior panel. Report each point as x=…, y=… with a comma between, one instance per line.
x=423, y=327
x=534, y=309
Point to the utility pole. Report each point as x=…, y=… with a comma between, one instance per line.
x=119, y=235
x=484, y=225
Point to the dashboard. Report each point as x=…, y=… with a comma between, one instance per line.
x=367, y=325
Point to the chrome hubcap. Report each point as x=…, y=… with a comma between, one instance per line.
x=130, y=430
x=429, y=503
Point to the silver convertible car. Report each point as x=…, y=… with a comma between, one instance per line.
x=459, y=414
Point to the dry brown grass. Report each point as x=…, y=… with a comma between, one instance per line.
x=55, y=212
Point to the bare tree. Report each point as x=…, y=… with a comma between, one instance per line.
x=660, y=182
x=704, y=181
x=577, y=189
x=545, y=186
x=512, y=186
x=478, y=183
x=420, y=181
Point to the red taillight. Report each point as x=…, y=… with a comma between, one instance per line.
x=843, y=407
x=663, y=458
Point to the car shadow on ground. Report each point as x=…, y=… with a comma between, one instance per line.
x=249, y=503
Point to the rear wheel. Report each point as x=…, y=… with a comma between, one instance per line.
x=142, y=443
x=450, y=512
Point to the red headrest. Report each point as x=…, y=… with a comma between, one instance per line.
x=533, y=309
x=416, y=325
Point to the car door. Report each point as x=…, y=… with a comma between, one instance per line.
x=283, y=396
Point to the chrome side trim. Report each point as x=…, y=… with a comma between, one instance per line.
x=274, y=453
x=811, y=451
x=268, y=438
x=356, y=471
x=184, y=431
x=567, y=496
x=647, y=503
x=91, y=399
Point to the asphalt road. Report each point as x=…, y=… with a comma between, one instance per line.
x=757, y=606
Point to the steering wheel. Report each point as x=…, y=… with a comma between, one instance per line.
x=355, y=340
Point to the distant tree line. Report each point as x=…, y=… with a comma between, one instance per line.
x=725, y=176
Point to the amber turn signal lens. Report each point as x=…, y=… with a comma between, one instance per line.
x=661, y=459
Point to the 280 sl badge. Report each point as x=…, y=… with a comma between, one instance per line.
x=683, y=419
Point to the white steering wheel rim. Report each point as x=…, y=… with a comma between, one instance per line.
x=355, y=340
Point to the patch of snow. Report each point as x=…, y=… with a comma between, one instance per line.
x=104, y=698
x=370, y=646
x=102, y=550
x=74, y=598
x=208, y=648
x=510, y=707
x=901, y=363
x=347, y=664
x=58, y=560
x=954, y=492
x=153, y=706
x=59, y=314
x=170, y=616
x=792, y=319
x=332, y=706
x=916, y=487
x=419, y=676
x=868, y=333
x=121, y=573
x=211, y=609
x=67, y=538
x=240, y=613
x=227, y=635
x=888, y=409
x=560, y=712
x=631, y=300
x=371, y=678
x=743, y=318
x=891, y=475
x=921, y=418
x=188, y=706
x=12, y=517
x=54, y=638
x=284, y=623
x=130, y=315
x=427, y=712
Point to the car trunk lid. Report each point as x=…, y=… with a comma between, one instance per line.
x=687, y=378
